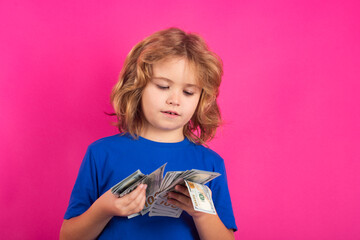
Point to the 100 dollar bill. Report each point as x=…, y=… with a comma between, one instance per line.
x=200, y=196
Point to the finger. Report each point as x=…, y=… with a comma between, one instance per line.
x=182, y=190
x=132, y=204
x=178, y=204
x=138, y=204
x=180, y=198
x=141, y=192
x=129, y=198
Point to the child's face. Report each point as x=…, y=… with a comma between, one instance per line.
x=173, y=88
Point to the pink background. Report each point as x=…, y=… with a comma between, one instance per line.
x=290, y=99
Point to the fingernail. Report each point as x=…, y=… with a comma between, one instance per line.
x=144, y=186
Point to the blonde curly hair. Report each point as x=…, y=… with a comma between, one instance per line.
x=137, y=72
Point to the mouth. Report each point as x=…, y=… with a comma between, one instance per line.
x=171, y=113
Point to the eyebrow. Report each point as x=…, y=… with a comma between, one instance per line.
x=168, y=80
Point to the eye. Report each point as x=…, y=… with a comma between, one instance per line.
x=162, y=87
x=188, y=93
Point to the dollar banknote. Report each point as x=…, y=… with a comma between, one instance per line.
x=171, y=179
x=153, y=182
x=158, y=188
x=200, y=195
x=123, y=187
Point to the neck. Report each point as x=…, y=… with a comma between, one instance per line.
x=167, y=137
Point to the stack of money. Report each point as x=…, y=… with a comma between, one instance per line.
x=200, y=177
x=153, y=182
x=159, y=187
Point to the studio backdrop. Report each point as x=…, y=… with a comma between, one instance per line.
x=289, y=100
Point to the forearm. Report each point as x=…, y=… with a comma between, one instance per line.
x=86, y=226
x=211, y=227
x=92, y=222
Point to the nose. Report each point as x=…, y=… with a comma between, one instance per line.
x=173, y=99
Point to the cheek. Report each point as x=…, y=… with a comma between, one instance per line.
x=192, y=106
x=146, y=102
x=151, y=104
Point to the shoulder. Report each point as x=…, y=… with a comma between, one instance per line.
x=209, y=154
x=109, y=142
x=106, y=140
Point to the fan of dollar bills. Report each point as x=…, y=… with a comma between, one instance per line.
x=158, y=187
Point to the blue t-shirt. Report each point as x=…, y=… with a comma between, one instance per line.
x=109, y=160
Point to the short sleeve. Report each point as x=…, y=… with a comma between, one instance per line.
x=221, y=197
x=85, y=190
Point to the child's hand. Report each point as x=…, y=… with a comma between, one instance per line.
x=124, y=206
x=182, y=200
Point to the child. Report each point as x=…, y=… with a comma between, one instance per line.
x=165, y=103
